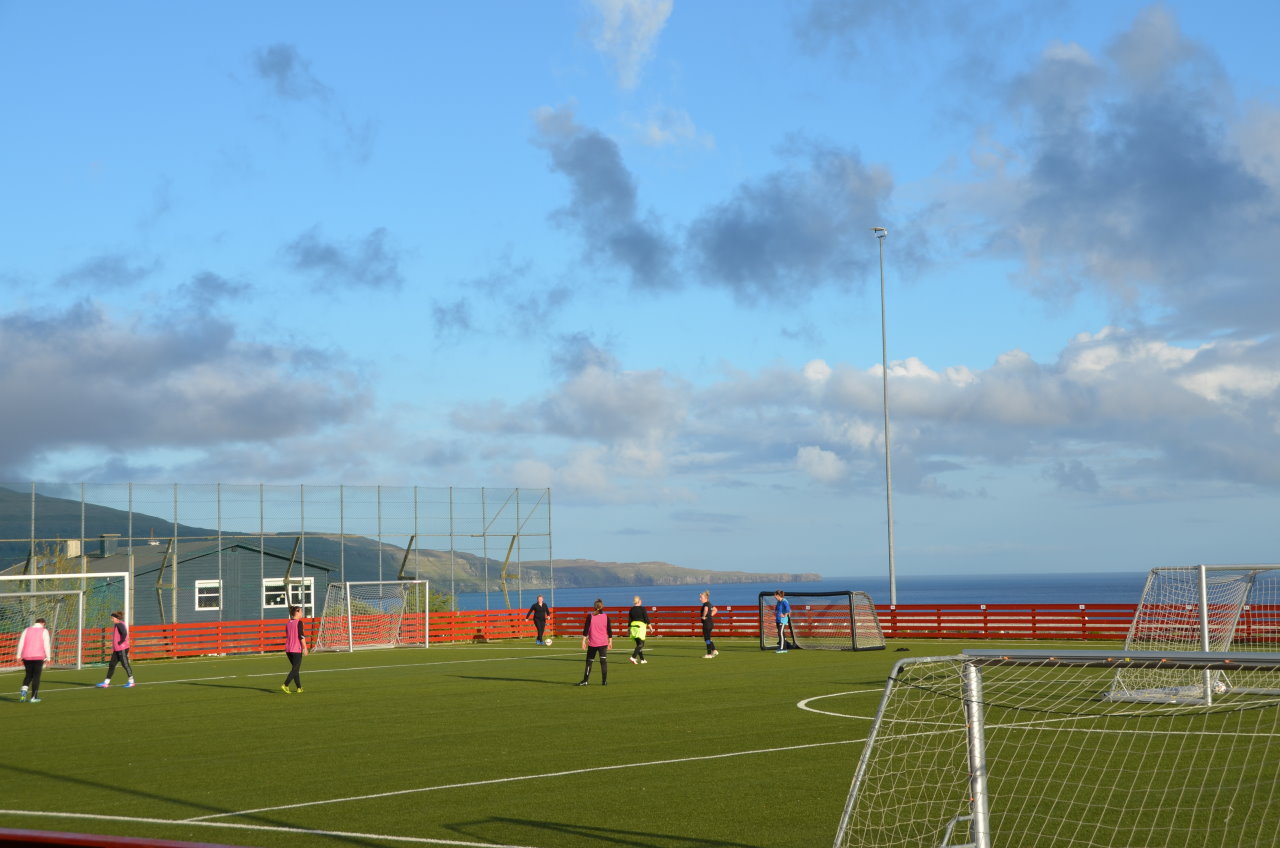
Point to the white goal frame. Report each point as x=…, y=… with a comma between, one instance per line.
x=1008, y=748
x=833, y=621
x=370, y=614
x=1201, y=608
x=112, y=591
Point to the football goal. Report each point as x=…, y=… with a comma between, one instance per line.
x=1017, y=748
x=1201, y=608
x=373, y=614
x=835, y=621
x=77, y=612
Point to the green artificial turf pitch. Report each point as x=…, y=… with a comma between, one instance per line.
x=487, y=744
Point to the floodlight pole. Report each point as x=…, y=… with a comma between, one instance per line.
x=881, y=233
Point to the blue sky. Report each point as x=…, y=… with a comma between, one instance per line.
x=623, y=249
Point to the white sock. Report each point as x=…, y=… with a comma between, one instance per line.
x=130, y=679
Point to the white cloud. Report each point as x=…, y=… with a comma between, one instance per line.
x=822, y=465
x=627, y=31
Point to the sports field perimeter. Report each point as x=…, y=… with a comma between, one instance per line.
x=487, y=744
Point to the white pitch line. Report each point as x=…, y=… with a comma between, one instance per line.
x=804, y=705
x=421, y=840
x=376, y=795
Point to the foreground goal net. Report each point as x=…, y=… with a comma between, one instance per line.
x=77, y=612
x=836, y=621
x=1020, y=749
x=373, y=614
x=1201, y=608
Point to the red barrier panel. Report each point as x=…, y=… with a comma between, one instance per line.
x=1259, y=625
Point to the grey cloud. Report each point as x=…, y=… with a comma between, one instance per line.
x=1140, y=189
x=796, y=230
x=603, y=206
x=289, y=74
x=1073, y=475
x=207, y=290
x=369, y=263
x=452, y=317
x=106, y=272
x=83, y=379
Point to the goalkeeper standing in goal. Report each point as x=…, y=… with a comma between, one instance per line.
x=597, y=639
x=34, y=649
x=638, y=624
x=708, y=616
x=782, y=616
x=295, y=648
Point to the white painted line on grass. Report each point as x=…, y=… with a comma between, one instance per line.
x=376, y=795
x=422, y=840
x=804, y=705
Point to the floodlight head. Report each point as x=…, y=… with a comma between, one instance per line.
x=880, y=232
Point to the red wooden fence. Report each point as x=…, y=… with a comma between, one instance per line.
x=903, y=621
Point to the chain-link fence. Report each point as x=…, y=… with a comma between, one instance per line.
x=489, y=540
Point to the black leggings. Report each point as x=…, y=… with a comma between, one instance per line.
x=32, y=680
x=121, y=657
x=603, y=653
x=295, y=673
x=541, y=624
x=638, y=653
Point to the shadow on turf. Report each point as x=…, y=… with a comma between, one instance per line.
x=168, y=799
x=269, y=690
x=511, y=679
x=604, y=835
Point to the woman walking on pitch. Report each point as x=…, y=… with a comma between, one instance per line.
x=597, y=639
x=539, y=612
x=34, y=649
x=295, y=648
x=638, y=624
x=708, y=616
x=119, y=651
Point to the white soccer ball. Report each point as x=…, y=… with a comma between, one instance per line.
x=1219, y=687
x=547, y=642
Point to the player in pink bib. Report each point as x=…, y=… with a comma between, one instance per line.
x=597, y=639
x=119, y=651
x=34, y=649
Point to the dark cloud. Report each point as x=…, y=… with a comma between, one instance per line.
x=289, y=74
x=207, y=290
x=602, y=207
x=794, y=231
x=1133, y=181
x=84, y=379
x=449, y=318
x=369, y=263
x=106, y=272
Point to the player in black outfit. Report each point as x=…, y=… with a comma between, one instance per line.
x=539, y=612
x=638, y=624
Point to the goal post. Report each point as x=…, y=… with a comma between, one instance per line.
x=374, y=614
x=76, y=608
x=835, y=621
x=1201, y=608
x=1011, y=748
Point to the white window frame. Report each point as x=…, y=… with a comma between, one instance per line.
x=301, y=593
x=208, y=584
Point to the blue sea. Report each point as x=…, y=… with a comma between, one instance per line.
x=1074, y=588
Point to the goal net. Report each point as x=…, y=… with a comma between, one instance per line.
x=836, y=621
x=77, y=612
x=1201, y=608
x=373, y=614
x=1018, y=749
